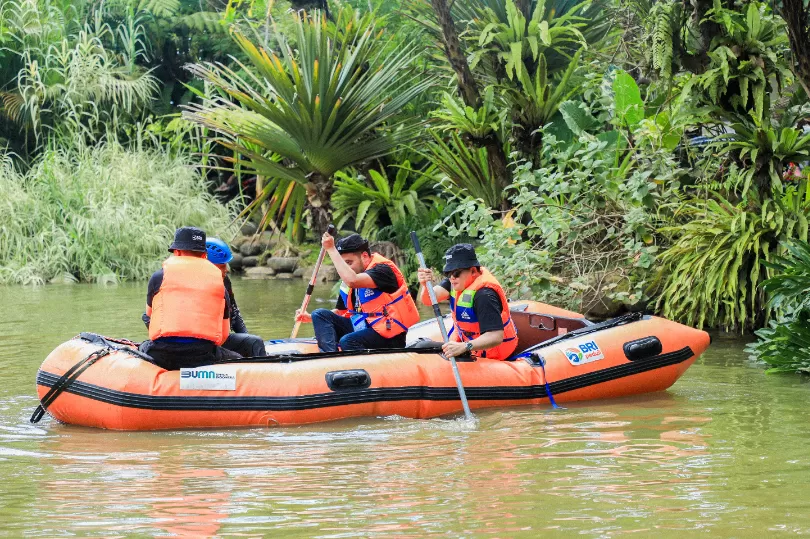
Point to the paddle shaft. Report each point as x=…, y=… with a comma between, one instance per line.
x=311, y=287
x=437, y=311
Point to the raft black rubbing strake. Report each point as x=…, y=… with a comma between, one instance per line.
x=367, y=395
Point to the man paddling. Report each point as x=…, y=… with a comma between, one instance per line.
x=239, y=340
x=482, y=324
x=374, y=309
x=187, y=307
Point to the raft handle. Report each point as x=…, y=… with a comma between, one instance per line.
x=641, y=349
x=542, y=321
x=353, y=379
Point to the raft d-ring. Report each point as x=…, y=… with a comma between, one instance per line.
x=271, y=421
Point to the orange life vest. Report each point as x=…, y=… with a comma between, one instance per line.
x=190, y=301
x=387, y=314
x=466, y=326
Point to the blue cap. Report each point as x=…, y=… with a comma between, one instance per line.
x=218, y=251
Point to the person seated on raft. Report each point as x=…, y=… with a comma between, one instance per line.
x=239, y=340
x=187, y=307
x=482, y=324
x=374, y=309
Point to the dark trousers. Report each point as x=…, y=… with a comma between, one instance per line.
x=245, y=344
x=176, y=355
x=331, y=329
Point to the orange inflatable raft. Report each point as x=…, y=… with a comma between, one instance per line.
x=560, y=352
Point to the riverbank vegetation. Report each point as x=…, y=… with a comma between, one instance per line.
x=98, y=214
x=604, y=156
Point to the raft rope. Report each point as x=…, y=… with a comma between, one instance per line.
x=537, y=359
x=65, y=382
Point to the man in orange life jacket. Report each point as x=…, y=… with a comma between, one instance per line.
x=187, y=307
x=374, y=309
x=482, y=324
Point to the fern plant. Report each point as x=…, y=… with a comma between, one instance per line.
x=762, y=150
x=785, y=345
x=665, y=22
x=477, y=124
x=517, y=41
x=537, y=100
x=746, y=59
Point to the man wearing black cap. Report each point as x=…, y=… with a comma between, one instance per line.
x=374, y=309
x=187, y=309
x=482, y=324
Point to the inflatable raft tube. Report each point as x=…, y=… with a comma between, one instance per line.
x=568, y=356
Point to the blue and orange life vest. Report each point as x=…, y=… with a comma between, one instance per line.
x=466, y=326
x=387, y=314
x=190, y=301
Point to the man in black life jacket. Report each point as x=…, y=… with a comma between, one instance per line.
x=374, y=309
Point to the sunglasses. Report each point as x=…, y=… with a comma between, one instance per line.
x=455, y=274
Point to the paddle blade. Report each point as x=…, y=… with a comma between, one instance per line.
x=415, y=241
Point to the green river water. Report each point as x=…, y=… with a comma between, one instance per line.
x=723, y=453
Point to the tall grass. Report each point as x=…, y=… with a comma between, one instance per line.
x=99, y=214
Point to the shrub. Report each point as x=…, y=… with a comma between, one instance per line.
x=785, y=345
x=99, y=214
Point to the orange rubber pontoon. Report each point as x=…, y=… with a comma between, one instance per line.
x=583, y=361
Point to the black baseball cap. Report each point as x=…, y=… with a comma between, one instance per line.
x=460, y=256
x=353, y=243
x=188, y=238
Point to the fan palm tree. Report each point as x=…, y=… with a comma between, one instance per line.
x=327, y=104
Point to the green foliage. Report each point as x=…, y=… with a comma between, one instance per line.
x=583, y=223
x=556, y=28
x=763, y=150
x=666, y=21
x=746, y=59
x=324, y=106
x=719, y=254
x=100, y=214
x=785, y=345
x=537, y=99
x=433, y=239
x=517, y=41
x=373, y=201
x=629, y=108
x=465, y=168
x=477, y=124
x=68, y=76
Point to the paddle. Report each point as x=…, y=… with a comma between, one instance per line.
x=331, y=231
x=437, y=311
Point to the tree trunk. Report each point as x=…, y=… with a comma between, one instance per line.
x=797, y=18
x=468, y=89
x=523, y=6
x=452, y=48
x=707, y=30
x=498, y=167
x=319, y=201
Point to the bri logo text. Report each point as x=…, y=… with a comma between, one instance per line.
x=584, y=353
